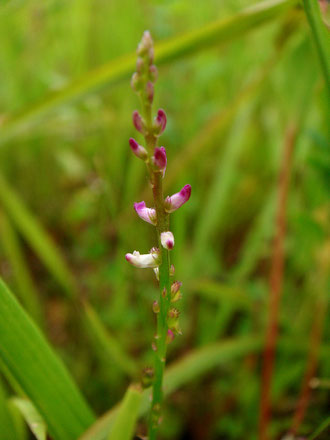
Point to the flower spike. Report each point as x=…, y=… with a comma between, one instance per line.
x=147, y=214
x=172, y=203
x=167, y=240
x=138, y=150
x=144, y=261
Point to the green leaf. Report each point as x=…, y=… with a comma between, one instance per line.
x=214, y=33
x=32, y=417
x=191, y=366
x=123, y=428
x=33, y=232
x=7, y=426
x=30, y=361
x=25, y=286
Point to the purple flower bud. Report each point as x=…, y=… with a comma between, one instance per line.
x=144, y=260
x=153, y=73
x=169, y=336
x=147, y=214
x=138, y=150
x=172, y=203
x=150, y=91
x=159, y=159
x=138, y=122
x=139, y=64
x=146, y=44
x=160, y=122
x=167, y=240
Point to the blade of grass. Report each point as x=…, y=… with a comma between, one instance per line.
x=190, y=367
x=214, y=33
x=7, y=427
x=128, y=412
x=108, y=345
x=39, y=372
x=25, y=285
x=320, y=429
x=31, y=416
x=320, y=35
x=35, y=235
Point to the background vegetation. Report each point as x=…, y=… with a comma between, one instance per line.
x=247, y=104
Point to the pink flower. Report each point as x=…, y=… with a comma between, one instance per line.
x=172, y=203
x=159, y=159
x=138, y=122
x=147, y=214
x=138, y=150
x=160, y=121
x=144, y=261
x=167, y=240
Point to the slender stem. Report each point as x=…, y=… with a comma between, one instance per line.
x=276, y=281
x=164, y=282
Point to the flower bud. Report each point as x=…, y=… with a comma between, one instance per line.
x=147, y=214
x=159, y=159
x=153, y=73
x=160, y=122
x=176, y=200
x=145, y=45
x=138, y=150
x=167, y=240
x=139, y=65
x=150, y=91
x=155, y=307
x=144, y=260
x=172, y=270
x=175, y=291
x=173, y=320
x=136, y=82
x=169, y=336
x=138, y=122
x=147, y=377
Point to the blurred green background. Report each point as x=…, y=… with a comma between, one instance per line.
x=66, y=171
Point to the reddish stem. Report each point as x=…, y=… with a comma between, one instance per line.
x=275, y=283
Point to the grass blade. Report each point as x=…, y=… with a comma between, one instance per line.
x=7, y=426
x=25, y=285
x=39, y=240
x=29, y=359
x=32, y=417
x=193, y=365
x=217, y=32
x=127, y=415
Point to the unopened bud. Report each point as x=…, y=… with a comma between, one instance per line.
x=169, y=336
x=138, y=150
x=139, y=65
x=138, y=122
x=147, y=377
x=172, y=270
x=145, y=45
x=159, y=159
x=135, y=82
x=153, y=73
x=150, y=91
x=167, y=240
x=175, y=291
x=160, y=122
x=155, y=307
x=173, y=320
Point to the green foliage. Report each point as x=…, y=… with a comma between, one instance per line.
x=38, y=371
x=232, y=79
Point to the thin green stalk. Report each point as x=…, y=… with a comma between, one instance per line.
x=322, y=40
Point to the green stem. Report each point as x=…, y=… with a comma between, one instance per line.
x=313, y=13
x=164, y=281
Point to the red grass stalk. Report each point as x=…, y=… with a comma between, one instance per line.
x=312, y=360
x=275, y=282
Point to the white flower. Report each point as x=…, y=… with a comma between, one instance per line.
x=167, y=240
x=145, y=260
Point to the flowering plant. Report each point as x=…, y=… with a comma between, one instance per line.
x=159, y=257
